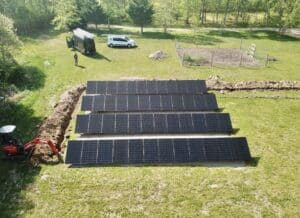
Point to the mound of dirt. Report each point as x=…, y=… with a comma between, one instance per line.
x=54, y=126
x=218, y=85
x=158, y=55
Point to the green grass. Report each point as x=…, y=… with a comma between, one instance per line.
x=267, y=187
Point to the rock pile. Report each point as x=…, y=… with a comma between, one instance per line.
x=158, y=55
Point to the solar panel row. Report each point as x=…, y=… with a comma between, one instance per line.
x=147, y=87
x=150, y=123
x=133, y=103
x=151, y=151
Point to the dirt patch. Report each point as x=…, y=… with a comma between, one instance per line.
x=54, y=126
x=216, y=57
x=218, y=85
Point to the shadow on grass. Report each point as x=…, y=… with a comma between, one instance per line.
x=197, y=38
x=257, y=34
x=16, y=176
x=99, y=56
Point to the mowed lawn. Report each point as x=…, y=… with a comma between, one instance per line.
x=268, y=186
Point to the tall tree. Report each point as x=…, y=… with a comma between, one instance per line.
x=141, y=12
x=164, y=13
x=96, y=15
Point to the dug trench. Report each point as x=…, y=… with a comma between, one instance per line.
x=55, y=125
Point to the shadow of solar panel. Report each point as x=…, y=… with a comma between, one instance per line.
x=108, y=124
x=147, y=123
x=144, y=102
x=152, y=87
x=98, y=103
x=73, y=155
x=120, y=155
x=173, y=123
x=177, y=102
x=95, y=125
x=197, y=150
x=166, y=151
x=89, y=152
x=101, y=87
x=224, y=123
x=142, y=87
x=132, y=88
x=110, y=103
x=186, y=123
x=133, y=103
x=212, y=149
x=134, y=124
x=155, y=103
x=122, y=87
x=172, y=87
x=122, y=103
x=136, y=151
x=160, y=123
x=181, y=149
x=166, y=102
x=200, y=104
x=122, y=123
x=199, y=123
x=105, y=152
x=182, y=87
x=211, y=123
x=87, y=103
x=82, y=123
x=188, y=101
x=91, y=87
x=162, y=87
x=151, y=151
x=211, y=102
x=111, y=87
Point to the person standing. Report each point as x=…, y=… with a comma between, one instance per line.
x=76, y=59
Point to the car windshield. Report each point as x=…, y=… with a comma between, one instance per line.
x=126, y=38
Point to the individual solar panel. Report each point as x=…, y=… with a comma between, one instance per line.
x=166, y=151
x=153, y=151
x=110, y=103
x=151, y=154
x=108, y=124
x=147, y=87
x=89, y=152
x=132, y=103
x=136, y=151
x=73, y=155
x=105, y=155
x=154, y=123
x=122, y=124
x=121, y=154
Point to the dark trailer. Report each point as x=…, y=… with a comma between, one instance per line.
x=83, y=41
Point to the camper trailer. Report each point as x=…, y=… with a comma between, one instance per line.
x=83, y=41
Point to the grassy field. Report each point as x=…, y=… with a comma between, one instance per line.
x=268, y=187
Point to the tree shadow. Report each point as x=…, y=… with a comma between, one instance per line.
x=257, y=34
x=198, y=39
x=16, y=176
x=99, y=56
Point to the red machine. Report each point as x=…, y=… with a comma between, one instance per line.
x=11, y=147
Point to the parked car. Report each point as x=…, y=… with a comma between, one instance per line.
x=82, y=41
x=120, y=41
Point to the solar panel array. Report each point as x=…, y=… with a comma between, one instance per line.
x=135, y=103
x=152, y=151
x=146, y=87
x=156, y=108
x=153, y=123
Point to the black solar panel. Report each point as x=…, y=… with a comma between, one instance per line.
x=154, y=123
x=131, y=103
x=103, y=152
x=147, y=87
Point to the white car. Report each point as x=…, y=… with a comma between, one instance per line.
x=120, y=41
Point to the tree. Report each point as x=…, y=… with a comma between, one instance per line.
x=164, y=13
x=96, y=15
x=9, y=42
x=141, y=12
x=68, y=15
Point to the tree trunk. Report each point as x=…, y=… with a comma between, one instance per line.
x=226, y=12
x=142, y=29
x=96, y=26
x=108, y=24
